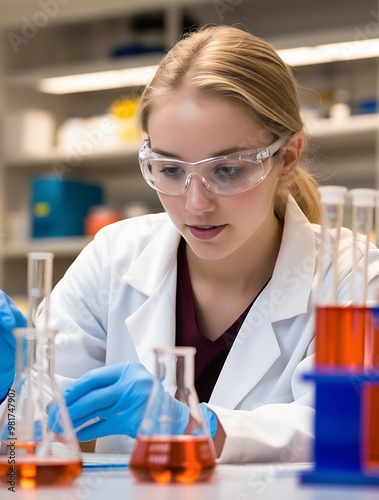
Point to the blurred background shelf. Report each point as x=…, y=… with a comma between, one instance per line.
x=65, y=247
x=49, y=39
x=122, y=155
x=347, y=127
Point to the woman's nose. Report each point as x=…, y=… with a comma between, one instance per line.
x=199, y=198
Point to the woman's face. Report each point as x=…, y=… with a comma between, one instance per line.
x=193, y=128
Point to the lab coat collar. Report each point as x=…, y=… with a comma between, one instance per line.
x=155, y=261
x=256, y=347
x=291, y=283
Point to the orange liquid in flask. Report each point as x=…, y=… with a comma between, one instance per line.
x=28, y=470
x=168, y=459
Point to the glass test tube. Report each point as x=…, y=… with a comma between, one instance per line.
x=365, y=326
x=332, y=200
x=344, y=329
x=377, y=218
x=371, y=405
x=40, y=279
x=363, y=201
x=355, y=343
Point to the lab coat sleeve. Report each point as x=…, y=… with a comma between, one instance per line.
x=278, y=432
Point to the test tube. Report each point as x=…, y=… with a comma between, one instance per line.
x=332, y=200
x=40, y=279
x=377, y=218
x=364, y=326
x=363, y=202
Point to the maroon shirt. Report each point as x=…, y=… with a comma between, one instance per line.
x=210, y=355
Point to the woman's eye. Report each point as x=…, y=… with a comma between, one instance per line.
x=229, y=171
x=171, y=170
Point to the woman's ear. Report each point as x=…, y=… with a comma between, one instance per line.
x=291, y=155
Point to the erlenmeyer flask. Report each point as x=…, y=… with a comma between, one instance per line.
x=31, y=454
x=173, y=443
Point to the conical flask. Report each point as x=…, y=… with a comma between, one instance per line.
x=30, y=453
x=173, y=442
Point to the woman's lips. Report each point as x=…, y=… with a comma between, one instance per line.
x=206, y=232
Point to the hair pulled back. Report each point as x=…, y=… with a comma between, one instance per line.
x=233, y=64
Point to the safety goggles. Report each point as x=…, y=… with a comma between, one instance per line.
x=223, y=175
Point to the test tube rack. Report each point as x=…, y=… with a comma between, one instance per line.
x=341, y=434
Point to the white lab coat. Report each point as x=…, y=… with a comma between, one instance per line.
x=117, y=302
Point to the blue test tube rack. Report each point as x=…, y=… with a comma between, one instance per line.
x=340, y=430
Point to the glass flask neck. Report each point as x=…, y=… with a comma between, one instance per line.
x=175, y=369
x=35, y=352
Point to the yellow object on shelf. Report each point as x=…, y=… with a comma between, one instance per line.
x=124, y=111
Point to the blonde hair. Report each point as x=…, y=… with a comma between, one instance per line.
x=233, y=64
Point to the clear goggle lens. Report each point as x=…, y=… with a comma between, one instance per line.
x=224, y=175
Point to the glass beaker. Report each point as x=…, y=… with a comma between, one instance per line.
x=168, y=450
x=31, y=454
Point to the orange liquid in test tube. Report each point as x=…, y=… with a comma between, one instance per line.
x=371, y=404
x=341, y=334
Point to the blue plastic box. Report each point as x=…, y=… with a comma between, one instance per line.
x=59, y=207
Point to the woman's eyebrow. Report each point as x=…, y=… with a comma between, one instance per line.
x=162, y=152
x=224, y=152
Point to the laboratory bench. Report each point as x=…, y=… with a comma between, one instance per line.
x=229, y=482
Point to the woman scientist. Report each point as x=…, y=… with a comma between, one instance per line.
x=229, y=267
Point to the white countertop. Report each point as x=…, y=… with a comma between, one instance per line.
x=230, y=482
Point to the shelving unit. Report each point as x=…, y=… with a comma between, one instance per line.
x=80, y=36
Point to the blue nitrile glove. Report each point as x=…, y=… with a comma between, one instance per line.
x=113, y=399
x=10, y=317
x=210, y=419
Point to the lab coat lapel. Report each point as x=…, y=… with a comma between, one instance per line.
x=253, y=353
x=287, y=295
x=153, y=274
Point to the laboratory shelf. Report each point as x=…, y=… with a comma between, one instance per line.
x=355, y=124
x=32, y=78
x=66, y=247
x=317, y=128
x=84, y=36
x=123, y=154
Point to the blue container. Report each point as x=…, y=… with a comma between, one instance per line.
x=59, y=207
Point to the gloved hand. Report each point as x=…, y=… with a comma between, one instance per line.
x=210, y=419
x=10, y=317
x=114, y=398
